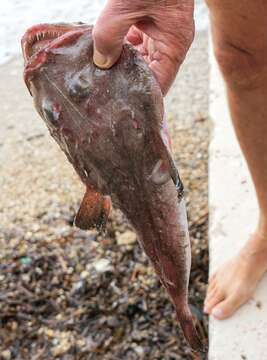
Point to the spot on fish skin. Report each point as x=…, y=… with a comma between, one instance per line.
x=135, y=124
x=79, y=85
x=139, y=131
x=99, y=73
x=68, y=135
x=51, y=112
x=85, y=141
x=85, y=173
x=160, y=173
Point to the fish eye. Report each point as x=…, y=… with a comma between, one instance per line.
x=79, y=85
x=51, y=112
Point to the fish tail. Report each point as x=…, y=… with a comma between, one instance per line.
x=187, y=324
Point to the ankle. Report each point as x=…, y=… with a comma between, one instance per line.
x=256, y=246
x=262, y=226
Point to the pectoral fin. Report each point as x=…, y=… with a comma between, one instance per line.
x=170, y=164
x=94, y=210
x=175, y=176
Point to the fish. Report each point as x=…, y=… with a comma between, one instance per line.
x=111, y=126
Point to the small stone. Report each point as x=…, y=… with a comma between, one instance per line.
x=103, y=265
x=6, y=354
x=139, y=350
x=81, y=343
x=49, y=332
x=85, y=274
x=113, y=322
x=39, y=271
x=70, y=270
x=59, y=316
x=14, y=325
x=63, y=346
x=127, y=238
x=259, y=304
x=78, y=286
x=26, y=278
x=55, y=341
x=25, y=260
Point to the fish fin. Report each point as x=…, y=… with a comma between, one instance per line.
x=187, y=324
x=168, y=160
x=94, y=211
x=175, y=176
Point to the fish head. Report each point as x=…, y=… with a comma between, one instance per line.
x=59, y=68
x=40, y=40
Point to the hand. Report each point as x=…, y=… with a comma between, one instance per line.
x=162, y=30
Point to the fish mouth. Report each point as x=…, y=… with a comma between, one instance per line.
x=40, y=36
x=40, y=39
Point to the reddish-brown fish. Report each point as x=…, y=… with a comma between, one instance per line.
x=110, y=125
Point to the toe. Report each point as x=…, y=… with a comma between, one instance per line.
x=212, y=300
x=226, y=308
x=212, y=278
x=211, y=286
x=211, y=293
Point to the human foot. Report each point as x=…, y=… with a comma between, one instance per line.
x=234, y=283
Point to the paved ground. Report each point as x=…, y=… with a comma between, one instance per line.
x=233, y=216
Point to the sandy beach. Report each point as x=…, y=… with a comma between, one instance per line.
x=54, y=300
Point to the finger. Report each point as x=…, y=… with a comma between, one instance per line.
x=135, y=36
x=109, y=32
x=165, y=71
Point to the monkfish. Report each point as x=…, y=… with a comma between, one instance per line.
x=111, y=126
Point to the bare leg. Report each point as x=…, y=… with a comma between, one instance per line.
x=240, y=40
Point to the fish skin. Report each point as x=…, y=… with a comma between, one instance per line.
x=110, y=124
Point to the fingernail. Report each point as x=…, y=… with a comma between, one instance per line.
x=217, y=313
x=101, y=61
x=205, y=309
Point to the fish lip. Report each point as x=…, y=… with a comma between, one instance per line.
x=58, y=34
x=45, y=31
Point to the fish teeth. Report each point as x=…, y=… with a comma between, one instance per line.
x=43, y=35
x=38, y=37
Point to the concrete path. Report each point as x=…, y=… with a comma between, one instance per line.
x=233, y=217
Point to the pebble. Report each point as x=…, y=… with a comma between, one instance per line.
x=139, y=350
x=102, y=265
x=64, y=344
x=6, y=354
x=85, y=274
x=26, y=278
x=25, y=260
x=126, y=238
x=61, y=348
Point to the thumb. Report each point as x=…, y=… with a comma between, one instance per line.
x=109, y=32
